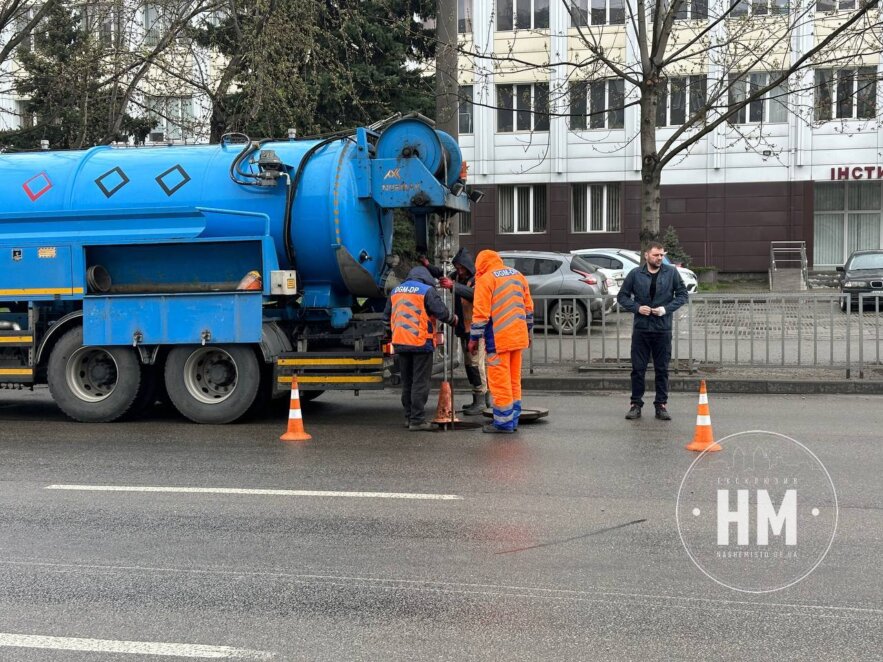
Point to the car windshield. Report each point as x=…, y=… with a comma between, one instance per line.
x=634, y=256
x=580, y=264
x=867, y=261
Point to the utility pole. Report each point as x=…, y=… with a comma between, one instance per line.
x=447, y=112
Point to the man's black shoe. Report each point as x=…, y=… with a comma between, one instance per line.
x=662, y=413
x=634, y=413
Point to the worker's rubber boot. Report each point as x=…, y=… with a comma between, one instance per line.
x=488, y=399
x=477, y=406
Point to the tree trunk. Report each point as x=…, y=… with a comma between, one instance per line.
x=650, y=169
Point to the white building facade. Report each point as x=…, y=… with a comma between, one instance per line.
x=801, y=165
x=180, y=110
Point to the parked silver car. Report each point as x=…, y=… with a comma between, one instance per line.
x=561, y=274
x=626, y=260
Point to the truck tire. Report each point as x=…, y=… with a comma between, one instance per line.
x=309, y=396
x=92, y=384
x=214, y=384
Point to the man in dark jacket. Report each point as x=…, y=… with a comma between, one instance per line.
x=413, y=312
x=652, y=292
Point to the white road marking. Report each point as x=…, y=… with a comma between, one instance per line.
x=131, y=647
x=254, y=492
x=587, y=594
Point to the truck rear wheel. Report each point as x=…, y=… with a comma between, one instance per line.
x=214, y=384
x=92, y=384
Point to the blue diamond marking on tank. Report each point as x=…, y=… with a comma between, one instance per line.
x=112, y=181
x=173, y=179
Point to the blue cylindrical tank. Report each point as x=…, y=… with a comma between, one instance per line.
x=327, y=212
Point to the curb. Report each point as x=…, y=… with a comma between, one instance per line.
x=568, y=384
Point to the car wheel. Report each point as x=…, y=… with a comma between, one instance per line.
x=568, y=316
x=213, y=384
x=93, y=384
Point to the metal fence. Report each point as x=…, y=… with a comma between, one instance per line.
x=829, y=331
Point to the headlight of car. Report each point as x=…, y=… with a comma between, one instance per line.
x=691, y=274
x=855, y=283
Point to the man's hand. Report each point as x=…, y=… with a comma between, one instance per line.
x=454, y=319
x=645, y=310
x=659, y=312
x=472, y=347
x=446, y=283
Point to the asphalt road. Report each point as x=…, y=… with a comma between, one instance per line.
x=561, y=543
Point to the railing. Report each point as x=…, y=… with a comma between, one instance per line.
x=721, y=331
x=788, y=254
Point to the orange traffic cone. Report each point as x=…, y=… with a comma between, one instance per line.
x=703, y=439
x=444, y=413
x=251, y=281
x=296, y=430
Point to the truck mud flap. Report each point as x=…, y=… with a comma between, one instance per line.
x=331, y=371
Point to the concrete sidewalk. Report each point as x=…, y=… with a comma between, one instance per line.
x=570, y=380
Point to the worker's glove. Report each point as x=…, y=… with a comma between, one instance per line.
x=422, y=259
x=446, y=283
x=472, y=346
x=454, y=319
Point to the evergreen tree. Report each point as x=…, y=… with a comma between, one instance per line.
x=61, y=80
x=673, y=248
x=317, y=66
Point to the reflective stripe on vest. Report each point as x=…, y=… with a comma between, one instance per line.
x=410, y=323
x=508, y=303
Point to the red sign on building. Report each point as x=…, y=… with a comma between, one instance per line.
x=856, y=172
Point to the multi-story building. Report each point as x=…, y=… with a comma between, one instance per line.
x=130, y=31
x=572, y=178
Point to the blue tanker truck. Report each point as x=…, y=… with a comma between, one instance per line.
x=122, y=269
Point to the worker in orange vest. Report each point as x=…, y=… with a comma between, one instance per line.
x=502, y=315
x=412, y=312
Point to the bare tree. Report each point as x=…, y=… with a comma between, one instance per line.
x=727, y=62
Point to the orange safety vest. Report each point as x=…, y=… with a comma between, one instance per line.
x=503, y=308
x=411, y=325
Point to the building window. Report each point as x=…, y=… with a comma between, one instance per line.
x=523, y=107
x=522, y=14
x=597, y=12
x=595, y=208
x=464, y=16
x=465, y=222
x=846, y=93
x=847, y=218
x=835, y=5
x=693, y=10
x=25, y=116
x=101, y=20
x=173, y=118
x=522, y=209
x=680, y=99
x=155, y=26
x=597, y=104
x=771, y=107
x=466, y=109
x=759, y=7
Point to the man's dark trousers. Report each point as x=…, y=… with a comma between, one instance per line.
x=644, y=345
x=416, y=371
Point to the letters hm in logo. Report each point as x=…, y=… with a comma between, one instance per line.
x=392, y=173
x=768, y=518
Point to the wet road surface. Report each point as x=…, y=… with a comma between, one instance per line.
x=373, y=543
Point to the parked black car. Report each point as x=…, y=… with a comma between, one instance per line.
x=862, y=274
